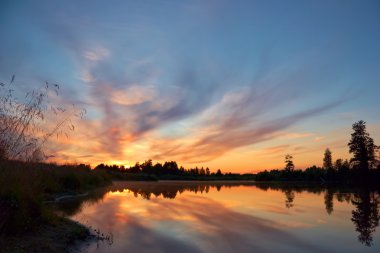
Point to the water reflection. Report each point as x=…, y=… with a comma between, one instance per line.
x=170, y=190
x=366, y=215
x=192, y=216
x=290, y=195
x=329, y=200
x=75, y=205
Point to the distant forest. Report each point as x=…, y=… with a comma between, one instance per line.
x=169, y=171
x=362, y=168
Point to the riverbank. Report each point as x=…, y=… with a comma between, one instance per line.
x=59, y=236
x=27, y=222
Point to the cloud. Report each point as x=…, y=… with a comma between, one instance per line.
x=130, y=109
x=237, y=125
x=222, y=117
x=319, y=138
x=97, y=54
x=136, y=85
x=133, y=95
x=296, y=135
x=275, y=149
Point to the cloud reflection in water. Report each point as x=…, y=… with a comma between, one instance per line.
x=187, y=224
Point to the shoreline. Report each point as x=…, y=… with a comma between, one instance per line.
x=61, y=235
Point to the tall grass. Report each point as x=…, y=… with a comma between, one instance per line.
x=24, y=186
x=26, y=125
x=24, y=121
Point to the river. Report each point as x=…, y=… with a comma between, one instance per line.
x=228, y=217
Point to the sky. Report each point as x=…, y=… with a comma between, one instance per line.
x=232, y=85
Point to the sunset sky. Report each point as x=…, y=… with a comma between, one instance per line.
x=233, y=85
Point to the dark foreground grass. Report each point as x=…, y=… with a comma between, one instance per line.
x=24, y=189
x=58, y=236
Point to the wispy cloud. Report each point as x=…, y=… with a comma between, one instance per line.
x=238, y=124
x=191, y=90
x=219, y=118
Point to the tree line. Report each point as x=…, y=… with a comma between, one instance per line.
x=362, y=168
x=167, y=170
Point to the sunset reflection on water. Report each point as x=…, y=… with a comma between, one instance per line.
x=229, y=217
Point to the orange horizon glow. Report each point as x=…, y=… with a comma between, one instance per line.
x=249, y=159
x=235, y=162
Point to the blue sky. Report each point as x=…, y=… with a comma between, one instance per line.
x=202, y=82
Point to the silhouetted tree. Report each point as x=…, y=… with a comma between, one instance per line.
x=289, y=165
x=158, y=168
x=342, y=167
x=362, y=147
x=327, y=159
x=182, y=170
x=100, y=167
x=147, y=167
x=338, y=164
x=313, y=173
x=170, y=168
x=135, y=169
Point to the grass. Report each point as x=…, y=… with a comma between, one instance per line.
x=56, y=237
x=25, y=186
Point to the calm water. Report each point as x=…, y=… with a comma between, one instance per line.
x=229, y=217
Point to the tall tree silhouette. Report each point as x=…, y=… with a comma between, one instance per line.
x=366, y=215
x=289, y=165
x=327, y=159
x=362, y=147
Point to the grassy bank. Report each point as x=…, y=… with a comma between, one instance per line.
x=58, y=236
x=25, y=187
